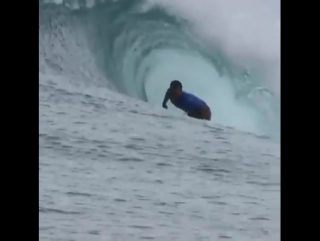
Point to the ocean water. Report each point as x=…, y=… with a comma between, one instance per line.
x=114, y=165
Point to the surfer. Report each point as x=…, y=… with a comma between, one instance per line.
x=187, y=102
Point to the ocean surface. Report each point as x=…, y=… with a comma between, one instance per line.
x=115, y=165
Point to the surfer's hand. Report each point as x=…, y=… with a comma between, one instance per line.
x=165, y=106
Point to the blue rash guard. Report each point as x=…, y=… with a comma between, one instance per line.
x=188, y=103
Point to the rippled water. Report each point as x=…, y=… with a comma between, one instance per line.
x=114, y=168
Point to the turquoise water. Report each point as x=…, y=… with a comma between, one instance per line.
x=114, y=165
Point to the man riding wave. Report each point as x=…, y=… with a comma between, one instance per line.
x=187, y=102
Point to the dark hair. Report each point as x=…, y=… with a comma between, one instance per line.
x=175, y=84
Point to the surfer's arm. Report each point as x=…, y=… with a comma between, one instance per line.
x=165, y=100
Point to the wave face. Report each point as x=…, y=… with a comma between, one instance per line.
x=219, y=51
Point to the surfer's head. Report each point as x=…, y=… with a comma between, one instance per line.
x=175, y=89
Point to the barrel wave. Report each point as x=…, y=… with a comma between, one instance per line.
x=137, y=47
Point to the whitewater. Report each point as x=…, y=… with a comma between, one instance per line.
x=115, y=165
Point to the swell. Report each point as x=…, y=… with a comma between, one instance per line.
x=122, y=40
x=118, y=29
